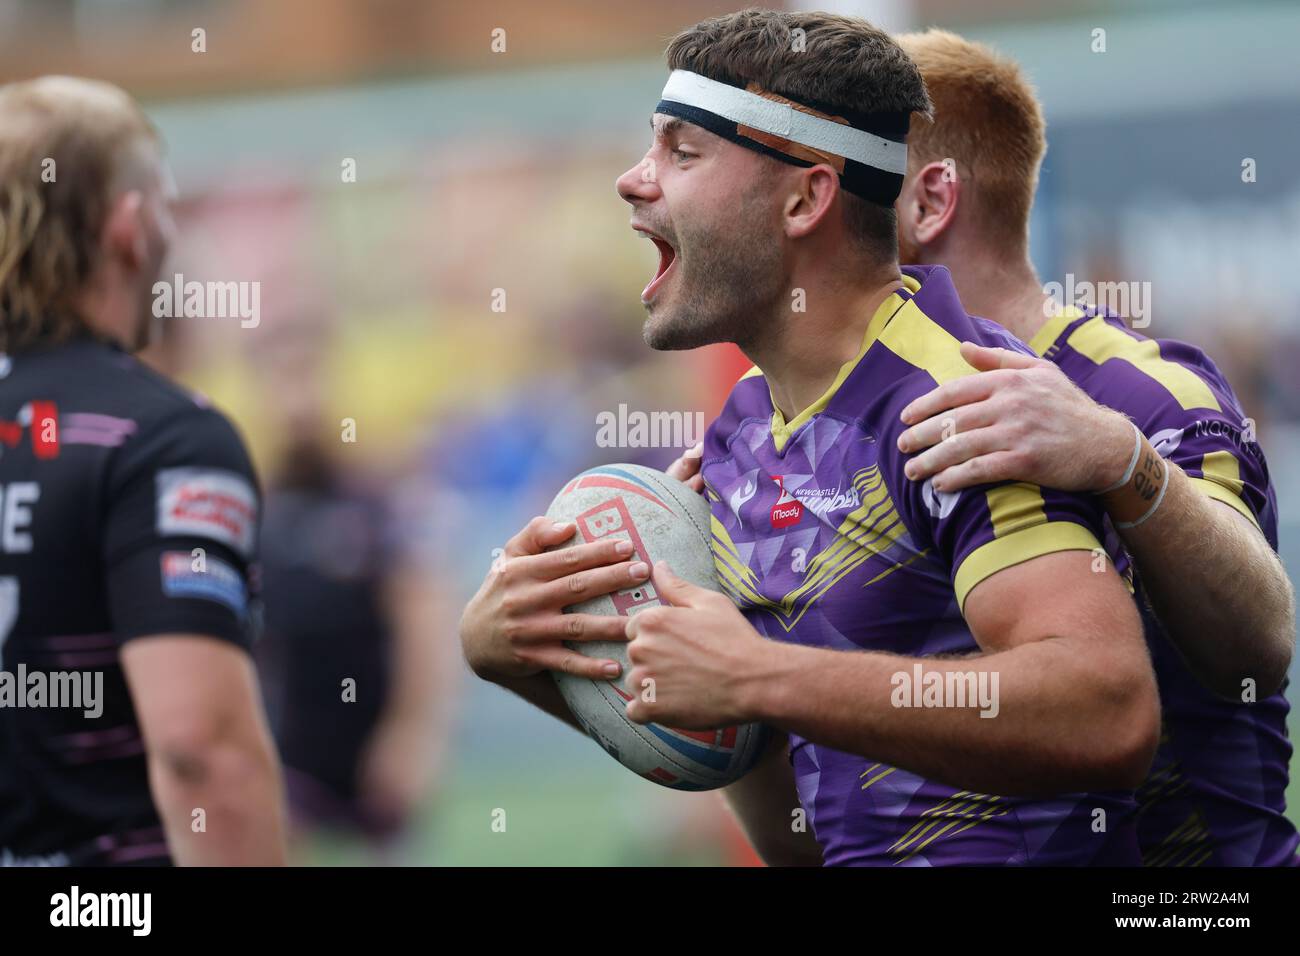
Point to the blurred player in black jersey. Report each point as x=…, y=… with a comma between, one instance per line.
x=358, y=668
x=128, y=522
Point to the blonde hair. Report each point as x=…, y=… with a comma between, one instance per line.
x=66, y=145
x=987, y=120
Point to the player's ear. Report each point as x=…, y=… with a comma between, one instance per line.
x=810, y=199
x=936, y=191
x=126, y=238
x=907, y=209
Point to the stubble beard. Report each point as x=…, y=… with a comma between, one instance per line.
x=730, y=292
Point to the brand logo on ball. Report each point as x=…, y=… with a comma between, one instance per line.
x=787, y=511
x=610, y=519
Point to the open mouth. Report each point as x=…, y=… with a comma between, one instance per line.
x=667, y=259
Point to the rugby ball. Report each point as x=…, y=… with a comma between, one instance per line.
x=665, y=520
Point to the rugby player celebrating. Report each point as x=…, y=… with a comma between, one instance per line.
x=1216, y=792
x=1204, y=540
x=769, y=190
x=131, y=518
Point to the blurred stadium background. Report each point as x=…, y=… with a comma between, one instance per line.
x=482, y=172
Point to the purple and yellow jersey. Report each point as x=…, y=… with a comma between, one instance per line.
x=821, y=540
x=1216, y=792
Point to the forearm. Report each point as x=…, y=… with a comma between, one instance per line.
x=1217, y=587
x=223, y=806
x=1066, y=719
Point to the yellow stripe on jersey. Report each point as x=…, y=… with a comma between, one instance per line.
x=1045, y=337
x=1100, y=342
x=1189, y=839
x=991, y=812
x=1222, y=481
x=967, y=813
x=920, y=341
x=925, y=822
x=1013, y=549
x=962, y=805
x=781, y=430
x=880, y=776
x=1222, y=468
x=734, y=575
x=1015, y=507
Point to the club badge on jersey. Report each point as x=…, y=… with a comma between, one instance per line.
x=42, y=418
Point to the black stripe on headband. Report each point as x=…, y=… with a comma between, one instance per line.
x=876, y=186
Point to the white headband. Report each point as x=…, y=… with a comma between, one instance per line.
x=781, y=119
